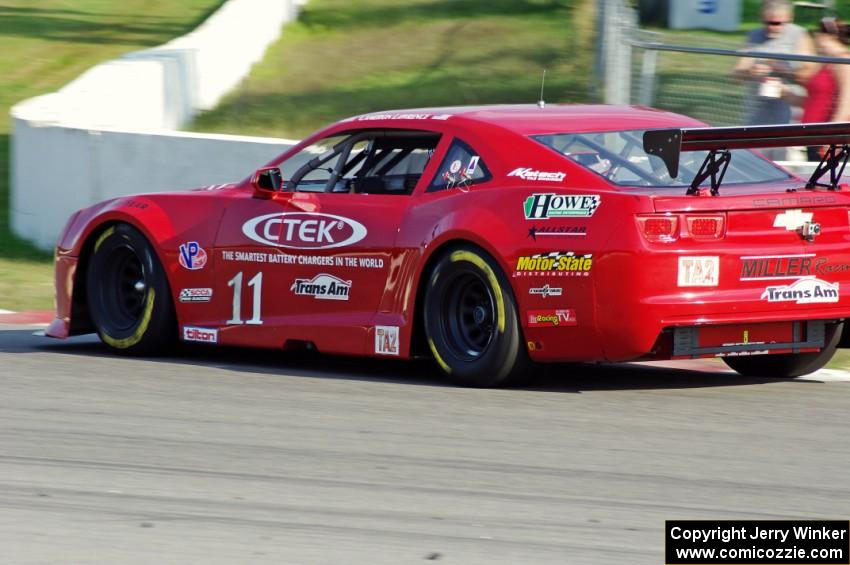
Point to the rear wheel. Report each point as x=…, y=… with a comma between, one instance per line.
x=471, y=321
x=128, y=293
x=787, y=365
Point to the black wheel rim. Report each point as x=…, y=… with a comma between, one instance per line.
x=124, y=288
x=468, y=315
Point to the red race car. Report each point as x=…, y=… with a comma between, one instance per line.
x=487, y=238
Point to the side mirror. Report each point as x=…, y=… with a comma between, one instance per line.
x=267, y=181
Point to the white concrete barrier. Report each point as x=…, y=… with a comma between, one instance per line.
x=74, y=167
x=110, y=131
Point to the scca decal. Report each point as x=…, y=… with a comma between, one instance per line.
x=304, y=230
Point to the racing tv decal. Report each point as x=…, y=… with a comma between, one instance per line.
x=322, y=287
x=551, y=318
x=803, y=291
x=386, y=340
x=551, y=205
x=699, y=271
x=304, y=230
x=192, y=256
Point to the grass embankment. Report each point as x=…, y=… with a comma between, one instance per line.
x=45, y=45
x=344, y=58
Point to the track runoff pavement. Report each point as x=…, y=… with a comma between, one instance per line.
x=232, y=456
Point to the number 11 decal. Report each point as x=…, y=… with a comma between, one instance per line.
x=257, y=284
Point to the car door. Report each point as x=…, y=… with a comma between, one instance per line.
x=310, y=264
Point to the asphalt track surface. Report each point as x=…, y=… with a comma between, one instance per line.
x=239, y=456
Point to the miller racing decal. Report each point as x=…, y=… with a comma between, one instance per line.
x=386, y=340
x=551, y=318
x=322, y=287
x=203, y=335
x=304, y=230
x=196, y=295
x=699, y=271
x=526, y=173
x=803, y=291
x=192, y=256
x=557, y=263
x=550, y=205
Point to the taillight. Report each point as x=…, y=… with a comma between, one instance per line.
x=706, y=227
x=659, y=227
x=670, y=227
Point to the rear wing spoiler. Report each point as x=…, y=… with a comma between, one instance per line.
x=667, y=144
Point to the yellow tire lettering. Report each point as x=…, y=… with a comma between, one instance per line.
x=491, y=276
x=140, y=331
x=102, y=237
x=439, y=359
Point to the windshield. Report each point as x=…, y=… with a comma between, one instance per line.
x=619, y=157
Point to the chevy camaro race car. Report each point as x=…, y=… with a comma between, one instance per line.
x=487, y=238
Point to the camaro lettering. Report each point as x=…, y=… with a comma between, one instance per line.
x=803, y=291
x=304, y=230
x=550, y=205
x=793, y=201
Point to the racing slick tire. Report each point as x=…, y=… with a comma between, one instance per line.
x=128, y=294
x=786, y=365
x=470, y=319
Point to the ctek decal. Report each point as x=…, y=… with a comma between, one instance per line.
x=557, y=263
x=546, y=290
x=803, y=291
x=527, y=173
x=541, y=231
x=550, y=205
x=792, y=220
x=203, y=335
x=699, y=271
x=551, y=318
x=192, y=256
x=386, y=340
x=322, y=287
x=196, y=295
x=304, y=230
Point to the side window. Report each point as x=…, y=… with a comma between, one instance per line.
x=366, y=162
x=312, y=166
x=461, y=167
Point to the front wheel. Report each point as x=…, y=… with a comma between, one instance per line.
x=471, y=320
x=787, y=365
x=128, y=294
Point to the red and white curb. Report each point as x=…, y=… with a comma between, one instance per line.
x=39, y=318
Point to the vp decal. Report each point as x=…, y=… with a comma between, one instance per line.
x=304, y=230
x=192, y=256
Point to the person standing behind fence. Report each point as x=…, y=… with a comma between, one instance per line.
x=768, y=79
x=828, y=86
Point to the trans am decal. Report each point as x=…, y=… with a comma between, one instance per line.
x=304, y=230
x=550, y=205
x=803, y=291
x=322, y=287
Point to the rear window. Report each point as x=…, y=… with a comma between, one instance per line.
x=618, y=156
